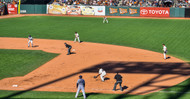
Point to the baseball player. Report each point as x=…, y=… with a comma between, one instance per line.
x=165, y=50
x=118, y=79
x=80, y=86
x=30, y=40
x=69, y=48
x=102, y=73
x=105, y=20
x=76, y=37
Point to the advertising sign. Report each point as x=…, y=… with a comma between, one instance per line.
x=99, y=10
x=12, y=8
x=154, y=12
x=87, y=10
x=113, y=10
x=56, y=9
x=122, y=11
x=73, y=10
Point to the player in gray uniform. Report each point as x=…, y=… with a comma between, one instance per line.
x=105, y=19
x=30, y=40
x=80, y=86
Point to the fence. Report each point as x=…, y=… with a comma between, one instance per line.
x=33, y=9
x=104, y=10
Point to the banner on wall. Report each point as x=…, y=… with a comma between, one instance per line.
x=73, y=10
x=99, y=10
x=56, y=8
x=87, y=10
x=132, y=11
x=93, y=10
x=113, y=10
x=154, y=12
x=12, y=8
x=122, y=11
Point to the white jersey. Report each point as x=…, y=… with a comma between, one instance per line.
x=30, y=38
x=76, y=35
x=164, y=48
x=102, y=72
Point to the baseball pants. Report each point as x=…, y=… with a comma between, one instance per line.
x=76, y=39
x=69, y=50
x=102, y=77
x=80, y=87
x=118, y=82
x=165, y=54
x=105, y=20
x=30, y=41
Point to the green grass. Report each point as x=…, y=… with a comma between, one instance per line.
x=140, y=33
x=20, y=62
x=180, y=91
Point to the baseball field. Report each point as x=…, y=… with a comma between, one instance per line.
x=131, y=46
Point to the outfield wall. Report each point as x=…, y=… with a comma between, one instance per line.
x=122, y=11
x=102, y=10
x=33, y=9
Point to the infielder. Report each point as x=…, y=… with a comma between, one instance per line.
x=30, y=40
x=102, y=73
x=80, y=86
x=165, y=50
x=76, y=37
x=105, y=20
x=69, y=48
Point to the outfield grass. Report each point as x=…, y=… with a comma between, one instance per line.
x=140, y=33
x=20, y=62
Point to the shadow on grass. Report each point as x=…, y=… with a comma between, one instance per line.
x=160, y=69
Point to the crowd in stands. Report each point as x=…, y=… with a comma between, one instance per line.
x=131, y=3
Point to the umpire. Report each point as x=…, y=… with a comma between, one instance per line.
x=118, y=78
x=69, y=48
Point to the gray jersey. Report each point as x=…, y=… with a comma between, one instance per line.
x=30, y=38
x=80, y=82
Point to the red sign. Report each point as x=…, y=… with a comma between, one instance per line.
x=12, y=9
x=154, y=12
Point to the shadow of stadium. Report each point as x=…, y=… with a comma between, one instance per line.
x=127, y=67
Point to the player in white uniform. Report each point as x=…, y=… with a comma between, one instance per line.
x=30, y=40
x=76, y=37
x=102, y=73
x=105, y=20
x=80, y=86
x=165, y=50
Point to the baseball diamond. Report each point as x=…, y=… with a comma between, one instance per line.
x=132, y=63
x=132, y=47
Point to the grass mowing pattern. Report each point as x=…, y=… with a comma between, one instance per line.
x=20, y=62
x=60, y=95
x=140, y=33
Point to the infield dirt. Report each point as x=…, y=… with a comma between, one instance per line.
x=143, y=71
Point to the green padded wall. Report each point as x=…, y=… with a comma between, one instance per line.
x=33, y=9
x=177, y=12
x=130, y=11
